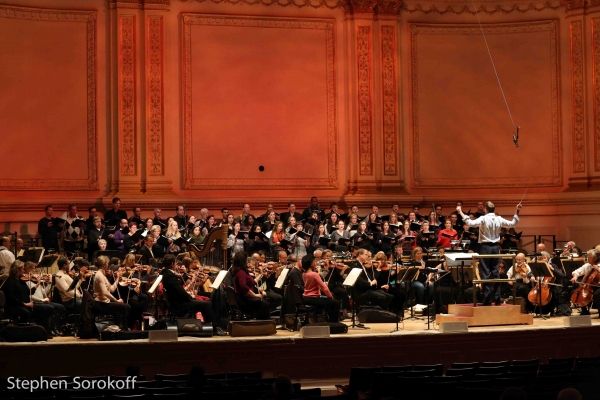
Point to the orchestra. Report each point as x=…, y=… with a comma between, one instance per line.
x=319, y=248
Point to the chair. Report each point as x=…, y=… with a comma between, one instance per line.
x=422, y=373
x=458, y=365
x=495, y=364
x=361, y=379
x=384, y=384
x=438, y=368
x=558, y=367
x=534, y=361
x=569, y=361
x=464, y=372
x=178, y=377
x=492, y=370
x=245, y=375
x=397, y=368
x=235, y=313
x=523, y=368
x=299, y=307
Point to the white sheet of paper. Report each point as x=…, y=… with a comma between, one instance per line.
x=281, y=279
x=458, y=258
x=352, y=276
x=219, y=279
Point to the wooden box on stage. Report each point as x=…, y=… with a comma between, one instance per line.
x=506, y=314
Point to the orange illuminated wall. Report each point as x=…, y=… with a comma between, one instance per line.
x=168, y=101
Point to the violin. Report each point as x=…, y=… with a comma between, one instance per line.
x=583, y=295
x=131, y=282
x=521, y=270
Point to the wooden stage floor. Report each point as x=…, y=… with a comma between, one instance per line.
x=288, y=353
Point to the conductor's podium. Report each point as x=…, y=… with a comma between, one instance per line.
x=505, y=314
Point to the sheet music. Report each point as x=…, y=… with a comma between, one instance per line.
x=268, y=234
x=457, y=258
x=155, y=284
x=281, y=279
x=352, y=276
x=219, y=279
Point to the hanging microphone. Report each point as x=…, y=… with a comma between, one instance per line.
x=516, y=137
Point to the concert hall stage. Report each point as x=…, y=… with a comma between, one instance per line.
x=287, y=353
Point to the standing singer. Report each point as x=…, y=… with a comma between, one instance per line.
x=489, y=226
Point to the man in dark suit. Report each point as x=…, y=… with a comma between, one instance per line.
x=291, y=212
x=114, y=216
x=146, y=250
x=179, y=299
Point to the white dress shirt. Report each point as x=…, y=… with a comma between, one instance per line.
x=490, y=225
x=583, y=270
x=6, y=258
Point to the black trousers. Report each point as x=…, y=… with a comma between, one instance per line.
x=274, y=299
x=331, y=306
x=444, y=295
x=259, y=308
x=139, y=304
x=118, y=310
x=340, y=293
x=488, y=269
x=42, y=311
x=375, y=297
x=194, y=306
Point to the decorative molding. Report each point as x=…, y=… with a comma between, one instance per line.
x=127, y=126
x=447, y=29
x=365, y=101
x=192, y=182
x=388, y=72
x=155, y=113
x=487, y=7
x=596, y=78
x=89, y=18
x=330, y=4
x=577, y=96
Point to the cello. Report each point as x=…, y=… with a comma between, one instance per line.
x=583, y=295
x=540, y=296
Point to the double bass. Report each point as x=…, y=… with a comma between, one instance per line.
x=583, y=295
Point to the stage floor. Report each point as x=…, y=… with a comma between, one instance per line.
x=301, y=359
x=408, y=327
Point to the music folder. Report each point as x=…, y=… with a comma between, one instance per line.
x=242, y=235
x=259, y=235
x=107, y=232
x=286, y=243
x=324, y=240
x=415, y=227
x=303, y=235
x=387, y=239
x=180, y=241
x=374, y=226
x=137, y=220
x=343, y=241
x=162, y=241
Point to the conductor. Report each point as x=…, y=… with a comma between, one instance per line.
x=489, y=226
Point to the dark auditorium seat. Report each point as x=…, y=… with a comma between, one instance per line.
x=178, y=377
x=535, y=361
x=438, y=368
x=459, y=365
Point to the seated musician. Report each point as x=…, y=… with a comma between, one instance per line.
x=334, y=278
x=267, y=281
x=63, y=282
x=559, y=279
x=19, y=303
x=522, y=273
x=593, y=260
x=386, y=281
x=104, y=302
x=131, y=291
x=366, y=287
x=179, y=299
x=421, y=281
x=445, y=292
x=244, y=285
x=41, y=289
x=316, y=292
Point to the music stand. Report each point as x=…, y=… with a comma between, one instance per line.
x=33, y=254
x=459, y=261
x=157, y=281
x=410, y=274
x=397, y=329
x=540, y=271
x=217, y=285
x=350, y=282
x=478, y=257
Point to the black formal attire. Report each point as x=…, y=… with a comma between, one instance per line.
x=17, y=293
x=365, y=243
x=93, y=236
x=335, y=282
x=295, y=278
x=286, y=216
x=147, y=254
x=113, y=218
x=49, y=234
x=129, y=244
x=367, y=294
x=180, y=301
x=383, y=279
x=426, y=240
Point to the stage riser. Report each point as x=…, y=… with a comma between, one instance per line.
x=297, y=358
